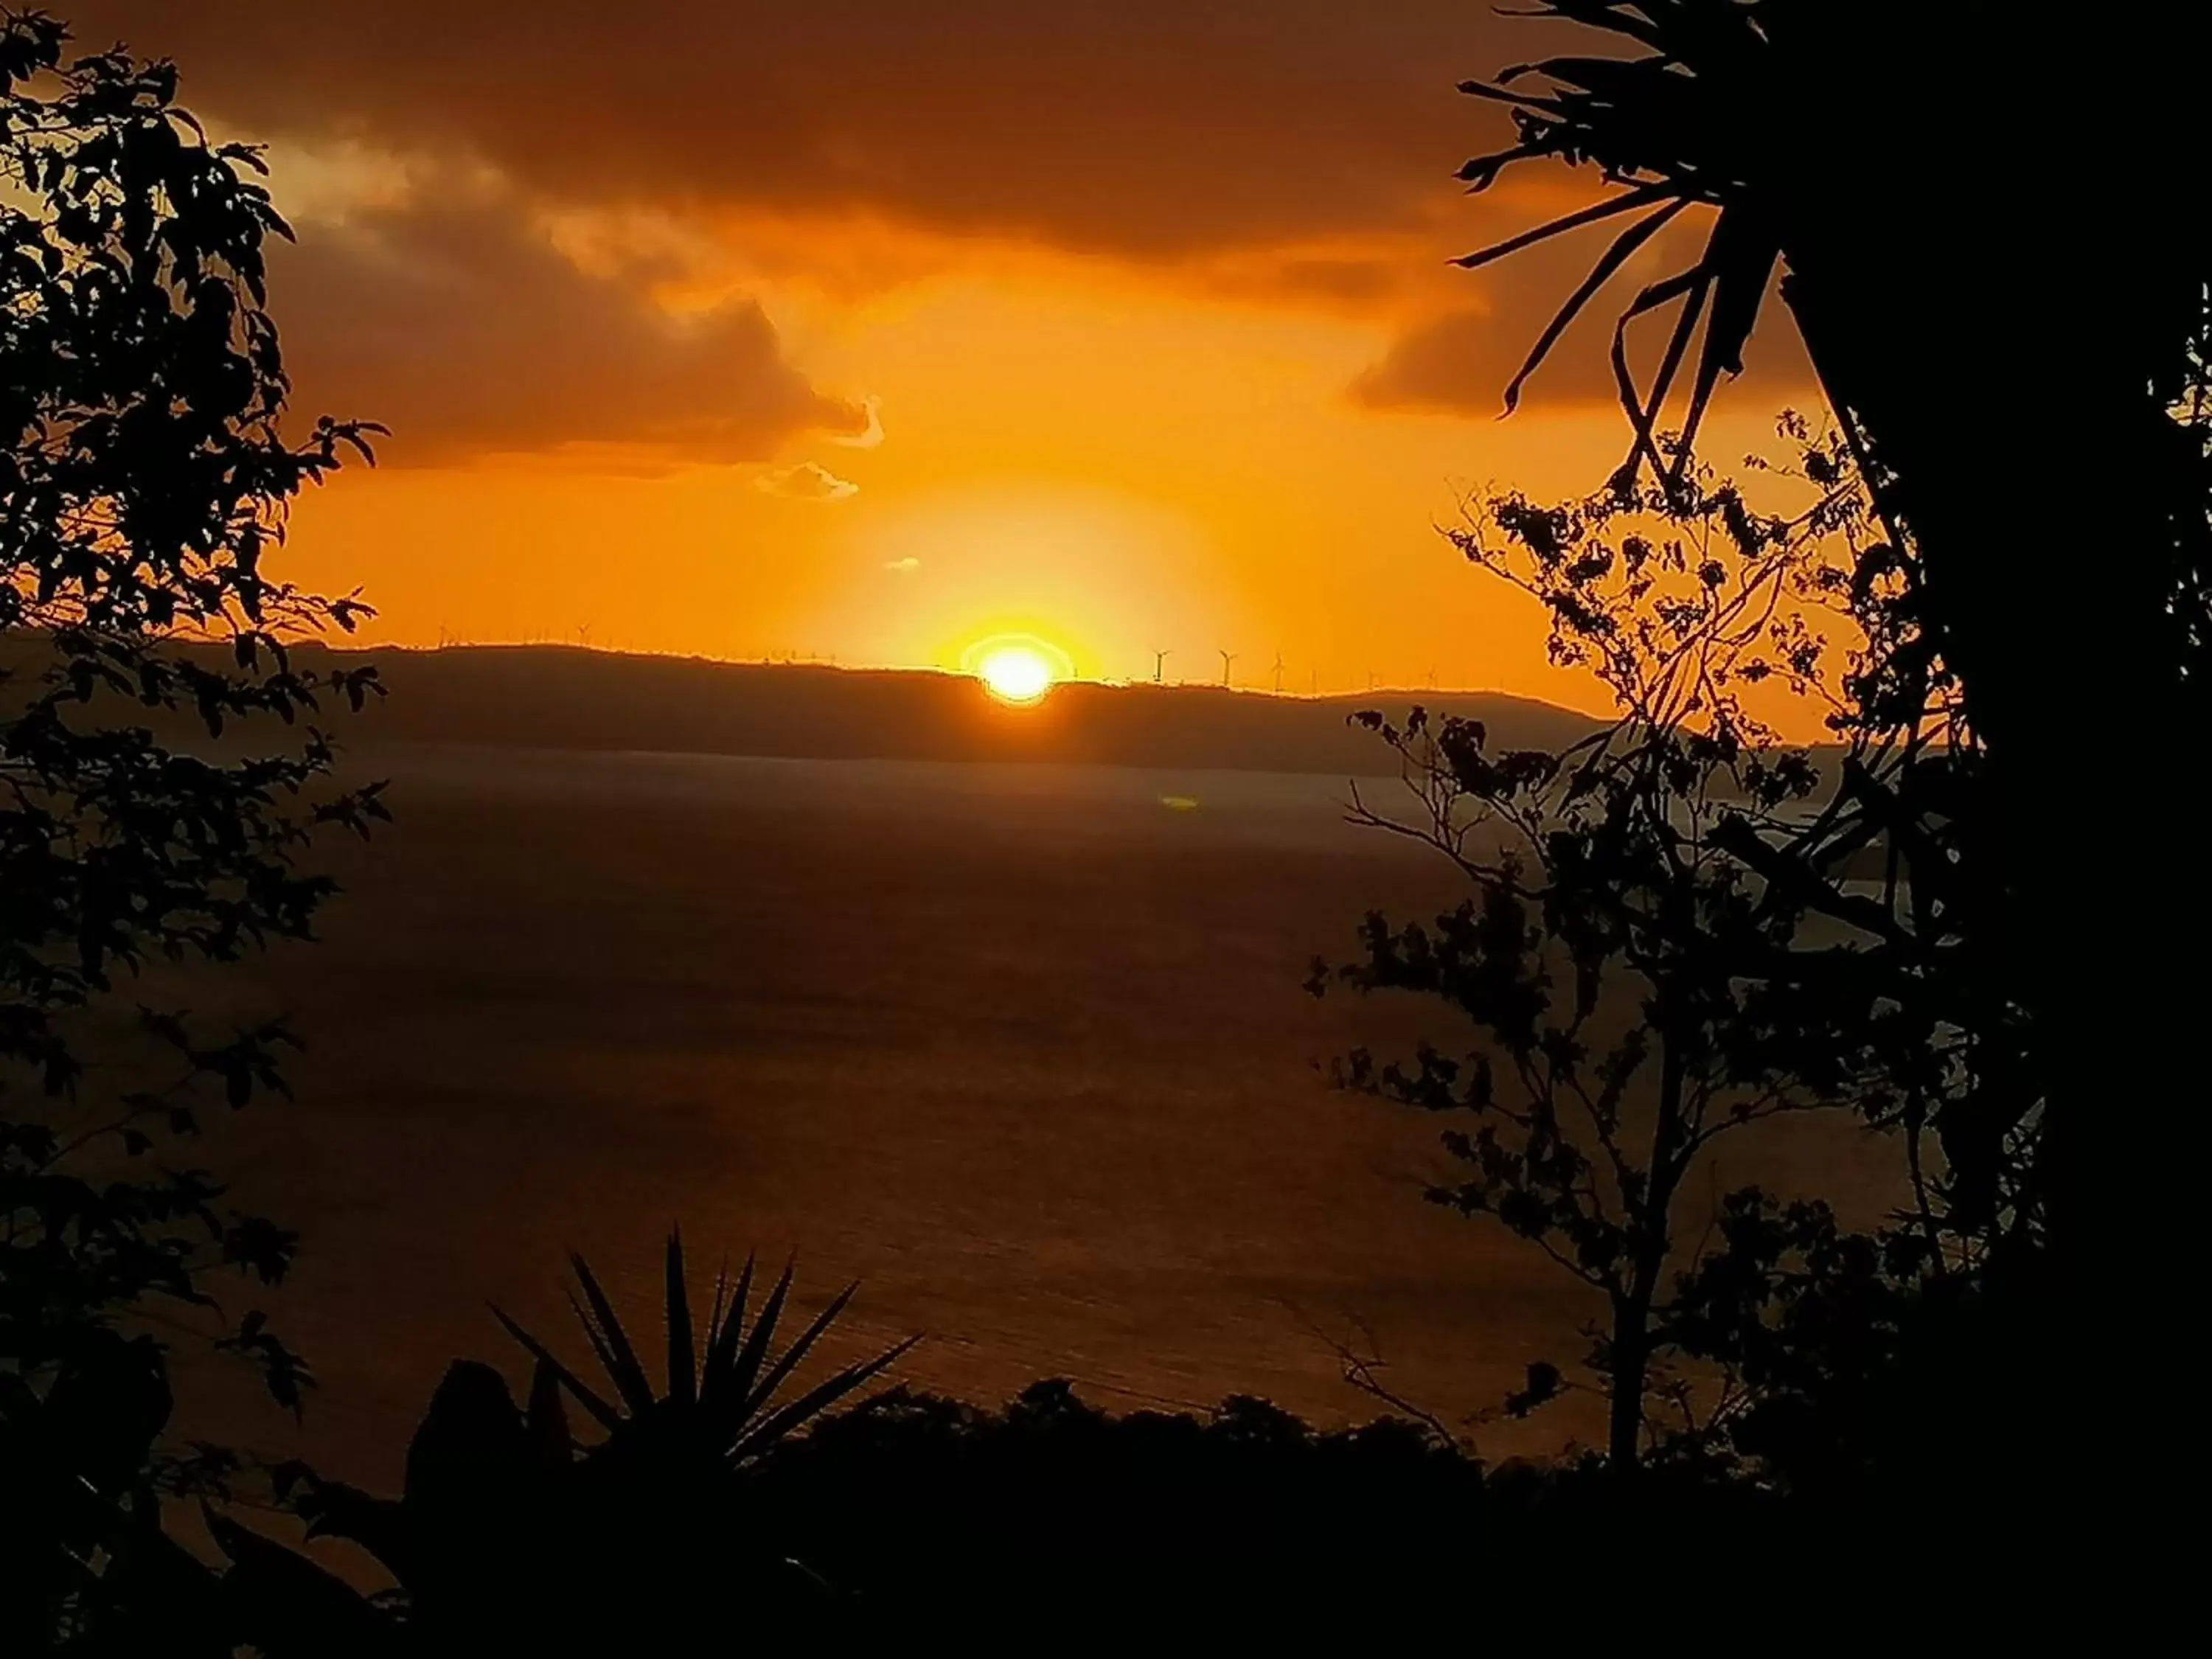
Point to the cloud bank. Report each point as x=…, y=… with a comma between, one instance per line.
x=454, y=320
x=1148, y=128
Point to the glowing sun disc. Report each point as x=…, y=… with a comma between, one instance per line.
x=1015, y=673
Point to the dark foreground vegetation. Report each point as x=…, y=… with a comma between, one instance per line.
x=1678, y=930
x=696, y=1489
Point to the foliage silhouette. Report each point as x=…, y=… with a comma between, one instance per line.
x=511, y=1533
x=143, y=478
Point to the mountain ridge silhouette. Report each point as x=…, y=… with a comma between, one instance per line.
x=574, y=698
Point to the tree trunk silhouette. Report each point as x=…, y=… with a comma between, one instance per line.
x=1882, y=335
x=1986, y=228
x=2075, y=681
x=1632, y=1308
x=1632, y=1364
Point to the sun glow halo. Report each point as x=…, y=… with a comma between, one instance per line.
x=1016, y=673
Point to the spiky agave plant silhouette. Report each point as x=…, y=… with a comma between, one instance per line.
x=510, y=1533
x=721, y=1388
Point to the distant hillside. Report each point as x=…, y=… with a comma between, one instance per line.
x=554, y=697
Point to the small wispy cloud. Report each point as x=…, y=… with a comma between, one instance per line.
x=809, y=481
x=873, y=436
x=905, y=566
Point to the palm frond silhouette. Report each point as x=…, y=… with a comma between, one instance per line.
x=1666, y=128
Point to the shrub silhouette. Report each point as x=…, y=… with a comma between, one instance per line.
x=1058, y=1520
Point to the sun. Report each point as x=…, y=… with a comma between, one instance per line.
x=1017, y=668
x=1016, y=673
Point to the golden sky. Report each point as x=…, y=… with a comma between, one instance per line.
x=871, y=329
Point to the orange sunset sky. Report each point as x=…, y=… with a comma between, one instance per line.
x=873, y=328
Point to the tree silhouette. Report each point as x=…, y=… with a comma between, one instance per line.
x=143, y=478
x=1899, y=172
x=1596, y=959
x=1682, y=927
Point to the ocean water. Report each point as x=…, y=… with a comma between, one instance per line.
x=1022, y=1048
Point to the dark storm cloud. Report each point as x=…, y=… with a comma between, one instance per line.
x=1158, y=131
x=1144, y=127
x=462, y=327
